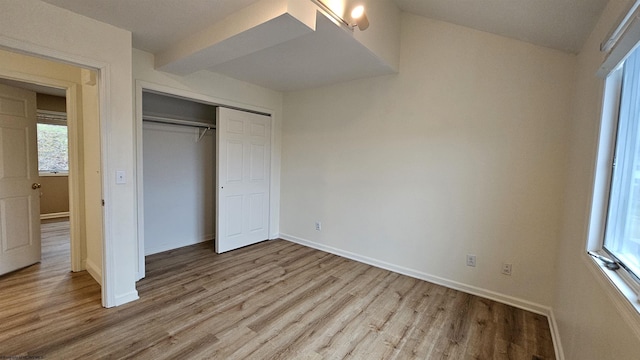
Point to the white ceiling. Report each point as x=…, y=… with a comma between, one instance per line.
x=558, y=24
x=155, y=24
x=328, y=56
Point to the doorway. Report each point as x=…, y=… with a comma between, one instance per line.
x=53, y=176
x=53, y=153
x=78, y=87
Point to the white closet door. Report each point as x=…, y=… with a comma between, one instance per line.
x=19, y=188
x=244, y=167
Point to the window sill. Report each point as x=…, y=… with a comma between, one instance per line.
x=624, y=296
x=50, y=174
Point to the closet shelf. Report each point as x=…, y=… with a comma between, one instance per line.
x=166, y=120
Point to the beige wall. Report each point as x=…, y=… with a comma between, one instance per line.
x=461, y=153
x=51, y=102
x=590, y=325
x=54, y=194
x=91, y=171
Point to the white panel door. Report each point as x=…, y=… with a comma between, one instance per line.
x=244, y=165
x=19, y=189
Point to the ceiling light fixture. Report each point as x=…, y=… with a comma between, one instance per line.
x=359, y=18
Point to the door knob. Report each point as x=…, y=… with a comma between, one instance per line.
x=36, y=186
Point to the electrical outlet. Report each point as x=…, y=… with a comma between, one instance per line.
x=318, y=226
x=506, y=269
x=471, y=260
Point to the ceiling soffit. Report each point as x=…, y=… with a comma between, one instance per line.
x=284, y=45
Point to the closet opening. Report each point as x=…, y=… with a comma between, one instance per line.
x=178, y=141
x=204, y=174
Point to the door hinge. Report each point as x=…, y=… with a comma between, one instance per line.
x=102, y=202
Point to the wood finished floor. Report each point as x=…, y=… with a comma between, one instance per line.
x=273, y=300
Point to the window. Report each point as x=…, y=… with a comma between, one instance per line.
x=622, y=234
x=618, y=236
x=53, y=148
x=613, y=238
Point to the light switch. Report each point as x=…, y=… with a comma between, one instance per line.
x=121, y=177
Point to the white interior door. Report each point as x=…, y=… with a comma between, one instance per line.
x=19, y=188
x=244, y=168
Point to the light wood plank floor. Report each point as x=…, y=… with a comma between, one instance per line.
x=274, y=300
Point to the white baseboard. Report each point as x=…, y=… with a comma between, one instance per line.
x=469, y=289
x=125, y=298
x=94, y=271
x=54, y=215
x=555, y=335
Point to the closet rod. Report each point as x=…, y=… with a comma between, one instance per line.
x=164, y=120
x=244, y=110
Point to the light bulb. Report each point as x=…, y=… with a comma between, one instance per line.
x=357, y=12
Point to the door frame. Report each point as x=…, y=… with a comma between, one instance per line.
x=75, y=216
x=103, y=71
x=142, y=86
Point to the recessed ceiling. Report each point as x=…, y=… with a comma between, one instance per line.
x=558, y=24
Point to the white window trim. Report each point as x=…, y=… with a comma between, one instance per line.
x=53, y=174
x=618, y=285
x=618, y=291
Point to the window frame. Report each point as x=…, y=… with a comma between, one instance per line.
x=623, y=174
x=621, y=40
x=52, y=118
x=626, y=294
